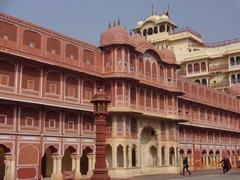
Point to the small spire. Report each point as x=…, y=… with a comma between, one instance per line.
x=109, y=24
x=118, y=22
x=114, y=23
x=167, y=13
x=154, y=10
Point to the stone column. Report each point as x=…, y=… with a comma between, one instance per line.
x=90, y=164
x=159, y=155
x=57, y=167
x=167, y=156
x=176, y=157
x=9, y=167
x=130, y=156
x=124, y=157
x=114, y=157
x=76, y=165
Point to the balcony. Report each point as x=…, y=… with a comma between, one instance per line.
x=218, y=68
x=220, y=84
x=185, y=29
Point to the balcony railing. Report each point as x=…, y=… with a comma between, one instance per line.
x=217, y=68
x=185, y=29
x=222, y=43
x=220, y=84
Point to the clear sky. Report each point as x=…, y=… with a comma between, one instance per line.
x=216, y=20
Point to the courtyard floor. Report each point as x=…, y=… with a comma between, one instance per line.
x=201, y=175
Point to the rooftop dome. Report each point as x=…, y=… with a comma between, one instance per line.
x=235, y=90
x=140, y=23
x=140, y=43
x=167, y=56
x=163, y=17
x=114, y=35
x=154, y=18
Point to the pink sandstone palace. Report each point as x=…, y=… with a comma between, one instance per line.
x=155, y=117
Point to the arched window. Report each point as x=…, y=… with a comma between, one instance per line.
x=238, y=78
x=168, y=28
x=133, y=96
x=8, y=31
x=120, y=160
x=150, y=31
x=203, y=67
x=71, y=52
x=132, y=63
x=162, y=28
x=233, y=79
x=108, y=60
x=148, y=98
x=196, y=67
x=163, y=149
x=144, y=32
x=142, y=97
x=88, y=57
x=190, y=69
x=197, y=81
x=232, y=61
x=154, y=70
x=141, y=66
x=32, y=39
x=237, y=60
x=147, y=68
x=155, y=30
x=53, y=46
x=204, y=82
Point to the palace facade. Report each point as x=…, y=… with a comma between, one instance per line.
x=155, y=117
x=214, y=64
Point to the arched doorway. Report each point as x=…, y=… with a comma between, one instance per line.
x=153, y=152
x=189, y=156
x=2, y=165
x=134, y=159
x=108, y=155
x=238, y=155
x=120, y=161
x=182, y=155
x=67, y=159
x=4, y=150
x=217, y=158
x=84, y=161
x=148, y=147
x=210, y=158
x=47, y=162
x=127, y=155
x=204, y=158
x=171, y=156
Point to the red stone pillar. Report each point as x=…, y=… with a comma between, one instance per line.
x=100, y=102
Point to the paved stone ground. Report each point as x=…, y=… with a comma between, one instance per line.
x=201, y=175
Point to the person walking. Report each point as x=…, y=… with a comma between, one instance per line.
x=224, y=162
x=186, y=166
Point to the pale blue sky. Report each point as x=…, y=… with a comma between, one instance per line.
x=216, y=20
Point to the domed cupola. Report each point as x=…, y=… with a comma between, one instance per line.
x=114, y=35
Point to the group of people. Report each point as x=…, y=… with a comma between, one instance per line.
x=226, y=165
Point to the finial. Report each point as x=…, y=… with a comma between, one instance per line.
x=109, y=24
x=118, y=22
x=167, y=13
x=154, y=10
x=114, y=23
